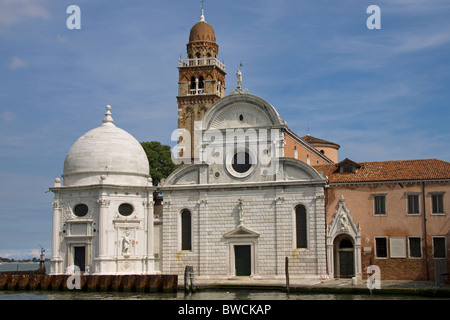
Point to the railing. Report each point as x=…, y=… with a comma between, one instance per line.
x=207, y=61
x=196, y=91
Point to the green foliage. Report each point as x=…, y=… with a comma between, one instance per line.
x=160, y=160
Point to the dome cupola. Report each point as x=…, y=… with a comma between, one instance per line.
x=202, y=31
x=106, y=154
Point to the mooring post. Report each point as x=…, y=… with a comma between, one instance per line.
x=189, y=281
x=191, y=276
x=186, y=279
x=286, y=267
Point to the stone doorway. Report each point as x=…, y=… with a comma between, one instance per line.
x=79, y=257
x=345, y=257
x=243, y=260
x=343, y=244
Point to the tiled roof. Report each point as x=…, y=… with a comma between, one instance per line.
x=313, y=140
x=378, y=171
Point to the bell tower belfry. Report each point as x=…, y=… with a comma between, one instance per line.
x=201, y=76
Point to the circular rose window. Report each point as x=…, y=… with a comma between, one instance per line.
x=126, y=209
x=80, y=210
x=240, y=163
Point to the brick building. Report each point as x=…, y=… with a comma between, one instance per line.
x=393, y=214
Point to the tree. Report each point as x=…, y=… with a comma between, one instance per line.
x=160, y=160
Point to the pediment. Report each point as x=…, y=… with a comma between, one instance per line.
x=241, y=232
x=190, y=177
x=189, y=174
x=296, y=173
x=240, y=115
x=342, y=222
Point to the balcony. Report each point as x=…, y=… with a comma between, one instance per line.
x=196, y=91
x=200, y=62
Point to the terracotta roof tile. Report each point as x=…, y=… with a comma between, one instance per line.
x=313, y=140
x=376, y=171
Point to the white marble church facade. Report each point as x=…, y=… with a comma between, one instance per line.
x=227, y=220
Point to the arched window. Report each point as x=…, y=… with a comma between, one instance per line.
x=300, y=225
x=295, y=152
x=201, y=84
x=186, y=230
x=193, y=85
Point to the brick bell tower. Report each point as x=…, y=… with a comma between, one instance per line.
x=201, y=77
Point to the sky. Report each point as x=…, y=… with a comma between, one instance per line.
x=381, y=94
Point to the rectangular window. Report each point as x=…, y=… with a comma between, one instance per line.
x=380, y=204
x=415, y=247
x=381, y=247
x=413, y=204
x=439, y=247
x=437, y=200
x=397, y=247
x=186, y=230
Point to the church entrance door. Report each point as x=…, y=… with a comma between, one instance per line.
x=346, y=259
x=243, y=261
x=346, y=264
x=79, y=258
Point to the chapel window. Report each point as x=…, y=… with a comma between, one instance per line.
x=241, y=162
x=300, y=225
x=126, y=209
x=186, y=230
x=80, y=210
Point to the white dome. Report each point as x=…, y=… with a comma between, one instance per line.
x=106, y=153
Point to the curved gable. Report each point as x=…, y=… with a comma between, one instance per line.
x=294, y=169
x=241, y=111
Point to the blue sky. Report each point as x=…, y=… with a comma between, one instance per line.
x=380, y=94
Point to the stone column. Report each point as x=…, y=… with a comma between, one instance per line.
x=358, y=253
x=330, y=255
x=148, y=213
x=102, y=239
x=56, y=258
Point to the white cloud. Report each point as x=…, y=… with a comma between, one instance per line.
x=17, y=11
x=8, y=116
x=414, y=42
x=19, y=254
x=17, y=63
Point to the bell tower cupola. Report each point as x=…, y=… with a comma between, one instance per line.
x=201, y=76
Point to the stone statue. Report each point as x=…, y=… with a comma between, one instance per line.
x=239, y=79
x=241, y=212
x=126, y=243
